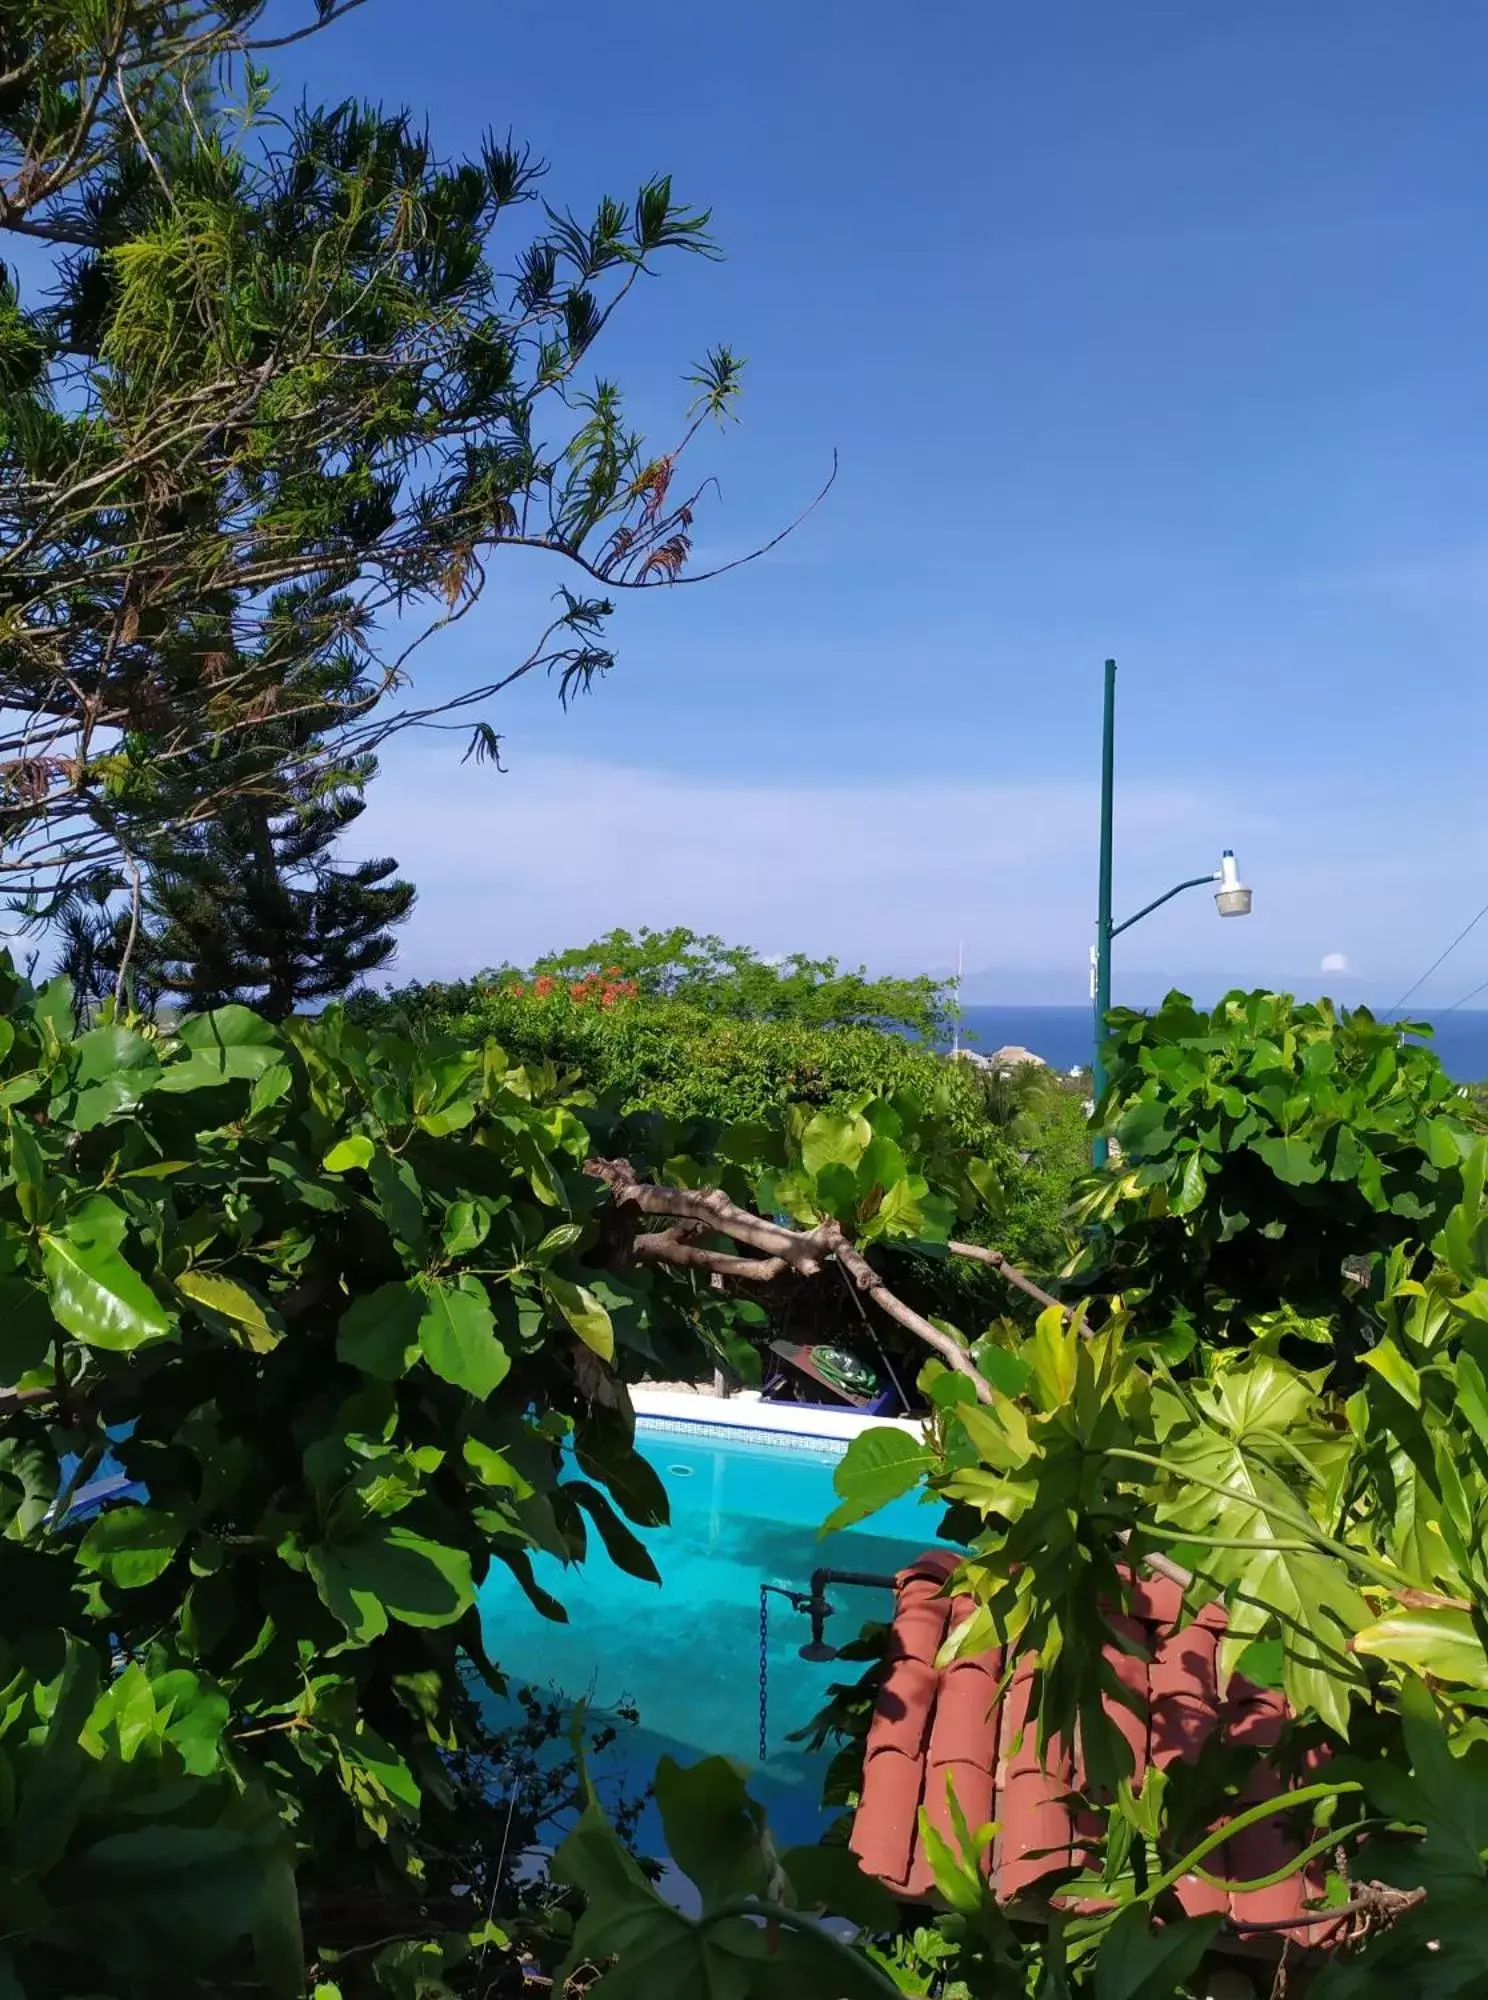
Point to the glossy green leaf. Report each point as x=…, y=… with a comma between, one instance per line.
x=878, y=1466
x=27, y=1329
x=1055, y=1351
x=130, y=1545
x=379, y=1332
x=98, y=1297
x=236, y=1304
x=1390, y=1364
x=583, y=1312
x=837, y=1138
x=391, y=1572
x=457, y=1336
x=1291, y=1160
x=1441, y=1643
x=357, y=1151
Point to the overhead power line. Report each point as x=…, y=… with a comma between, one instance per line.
x=1483, y=988
x=1441, y=960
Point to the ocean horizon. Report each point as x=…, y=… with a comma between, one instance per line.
x=1062, y=1036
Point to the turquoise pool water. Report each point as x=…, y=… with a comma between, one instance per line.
x=687, y=1653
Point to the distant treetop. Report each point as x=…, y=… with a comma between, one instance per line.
x=734, y=981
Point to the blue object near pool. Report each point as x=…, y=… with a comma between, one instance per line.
x=745, y=1511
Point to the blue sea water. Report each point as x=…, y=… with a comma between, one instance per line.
x=687, y=1653
x=1062, y=1035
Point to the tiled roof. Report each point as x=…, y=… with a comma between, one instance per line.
x=930, y=1724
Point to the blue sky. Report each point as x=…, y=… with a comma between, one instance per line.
x=1155, y=330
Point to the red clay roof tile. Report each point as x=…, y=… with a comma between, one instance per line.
x=931, y=1726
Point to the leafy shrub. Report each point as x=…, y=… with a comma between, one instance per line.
x=324, y=1296
x=1262, y=1148
x=679, y=1059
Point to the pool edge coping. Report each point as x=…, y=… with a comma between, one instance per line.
x=748, y=1413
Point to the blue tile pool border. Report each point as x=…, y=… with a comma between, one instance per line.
x=702, y=1428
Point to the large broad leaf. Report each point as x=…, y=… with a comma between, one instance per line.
x=159, y=1895
x=583, y=1311
x=130, y=1546
x=879, y=1465
x=624, y=1549
x=1440, y=1642
x=95, y=1294
x=1291, y=1160
x=400, y=1199
x=1141, y=1962
x=835, y=1138
x=457, y=1334
x=713, y=1828
x=27, y=1329
x=379, y=1332
x=1252, y=1424
x=229, y=1045
x=830, y=1879
x=115, y=1067
x=606, y=1451
x=623, y=1915
x=250, y=1319
x=391, y=1572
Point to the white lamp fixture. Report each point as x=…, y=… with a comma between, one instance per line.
x=1231, y=898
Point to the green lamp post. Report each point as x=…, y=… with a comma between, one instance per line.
x=1231, y=898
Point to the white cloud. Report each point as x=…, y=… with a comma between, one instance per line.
x=894, y=872
x=559, y=849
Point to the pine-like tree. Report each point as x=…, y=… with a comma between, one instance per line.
x=256, y=907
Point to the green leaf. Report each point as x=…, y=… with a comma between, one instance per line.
x=235, y=1303
x=583, y=1311
x=357, y=1151
x=1387, y=1361
x=278, y=1942
x=389, y=1571
x=1056, y=1346
x=225, y=1028
x=625, y=1550
x=115, y=1067
x=1291, y=1160
x=161, y=1895
x=1191, y=1188
x=27, y=1329
x=379, y=1332
x=606, y=1452
x=130, y=1546
x=401, y=1202
x=457, y=1335
x=1140, y=1961
x=98, y=1297
x=879, y=1465
x=465, y=1228
x=1440, y=1642
x=835, y=1138
x=713, y=1828
x=830, y=1879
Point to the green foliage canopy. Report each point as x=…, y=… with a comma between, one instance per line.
x=275, y=391
x=1264, y=1147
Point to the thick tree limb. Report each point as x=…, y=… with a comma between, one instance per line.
x=1004, y=1269
x=805, y=1251
x=800, y=1250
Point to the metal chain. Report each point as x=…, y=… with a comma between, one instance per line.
x=764, y=1736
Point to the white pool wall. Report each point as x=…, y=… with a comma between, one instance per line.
x=747, y=1412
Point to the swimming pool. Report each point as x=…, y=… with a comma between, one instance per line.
x=743, y=1512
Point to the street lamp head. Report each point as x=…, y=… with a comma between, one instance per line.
x=1231, y=898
